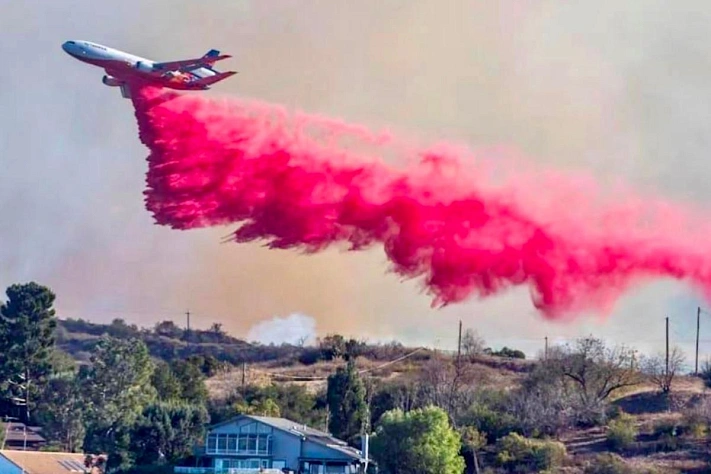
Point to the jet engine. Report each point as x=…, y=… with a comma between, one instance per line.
x=142, y=66
x=111, y=81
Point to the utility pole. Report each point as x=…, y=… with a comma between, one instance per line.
x=667, y=372
x=187, y=314
x=459, y=344
x=545, y=351
x=244, y=377
x=698, y=326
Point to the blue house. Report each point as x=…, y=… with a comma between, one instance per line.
x=253, y=443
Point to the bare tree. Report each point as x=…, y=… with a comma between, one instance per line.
x=596, y=371
x=472, y=343
x=655, y=368
x=448, y=384
x=542, y=404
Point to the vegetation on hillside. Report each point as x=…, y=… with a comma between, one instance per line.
x=142, y=396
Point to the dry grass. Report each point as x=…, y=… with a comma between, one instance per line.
x=643, y=401
x=488, y=371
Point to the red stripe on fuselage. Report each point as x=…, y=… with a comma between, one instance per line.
x=126, y=71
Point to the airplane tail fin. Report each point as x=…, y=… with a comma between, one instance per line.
x=206, y=81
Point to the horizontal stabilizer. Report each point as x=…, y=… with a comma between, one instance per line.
x=206, y=81
x=191, y=64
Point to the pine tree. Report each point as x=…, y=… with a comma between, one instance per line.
x=27, y=325
x=347, y=407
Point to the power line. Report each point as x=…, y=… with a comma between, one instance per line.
x=360, y=372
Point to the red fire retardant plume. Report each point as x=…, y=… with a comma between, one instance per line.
x=291, y=181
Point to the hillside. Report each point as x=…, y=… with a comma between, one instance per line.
x=643, y=430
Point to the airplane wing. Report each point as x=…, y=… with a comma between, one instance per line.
x=191, y=64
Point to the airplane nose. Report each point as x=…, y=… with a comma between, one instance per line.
x=67, y=46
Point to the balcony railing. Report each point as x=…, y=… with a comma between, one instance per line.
x=212, y=470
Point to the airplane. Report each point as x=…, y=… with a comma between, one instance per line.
x=123, y=68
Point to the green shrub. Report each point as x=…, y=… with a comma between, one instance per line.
x=621, y=432
x=495, y=424
x=520, y=454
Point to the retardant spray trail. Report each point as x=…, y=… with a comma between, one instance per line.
x=231, y=162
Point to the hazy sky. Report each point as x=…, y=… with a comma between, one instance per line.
x=619, y=89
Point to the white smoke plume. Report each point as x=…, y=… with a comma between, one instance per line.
x=293, y=329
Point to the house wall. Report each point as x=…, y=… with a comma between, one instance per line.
x=285, y=447
x=6, y=467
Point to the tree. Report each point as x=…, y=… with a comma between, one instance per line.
x=333, y=346
x=472, y=442
x=259, y=407
x=542, y=405
x=448, y=384
x=61, y=413
x=596, y=372
x=346, y=404
x=167, y=431
x=117, y=386
x=418, y=442
x=191, y=379
x=27, y=324
x=165, y=382
x=655, y=368
x=401, y=395
x=168, y=329
x=472, y=343
x=295, y=403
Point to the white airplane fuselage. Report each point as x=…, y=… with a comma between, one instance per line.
x=123, y=68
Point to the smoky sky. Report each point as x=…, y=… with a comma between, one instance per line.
x=617, y=89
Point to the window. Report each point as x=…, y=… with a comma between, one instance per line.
x=262, y=444
x=232, y=443
x=223, y=443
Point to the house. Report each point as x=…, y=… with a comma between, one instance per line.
x=39, y=462
x=21, y=437
x=250, y=443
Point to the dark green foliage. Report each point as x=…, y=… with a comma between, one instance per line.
x=520, y=454
x=165, y=382
x=297, y=404
x=294, y=401
x=335, y=346
x=391, y=396
x=505, y=352
x=116, y=387
x=60, y=412
x=191, y=380
x=418, y=442
x=310, y=356
x=167, y=432
x=332, y=347
x=490, y=415
x=27, y=324
x=346, y=404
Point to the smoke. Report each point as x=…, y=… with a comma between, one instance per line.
x=293, y=329
x=295, y=182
